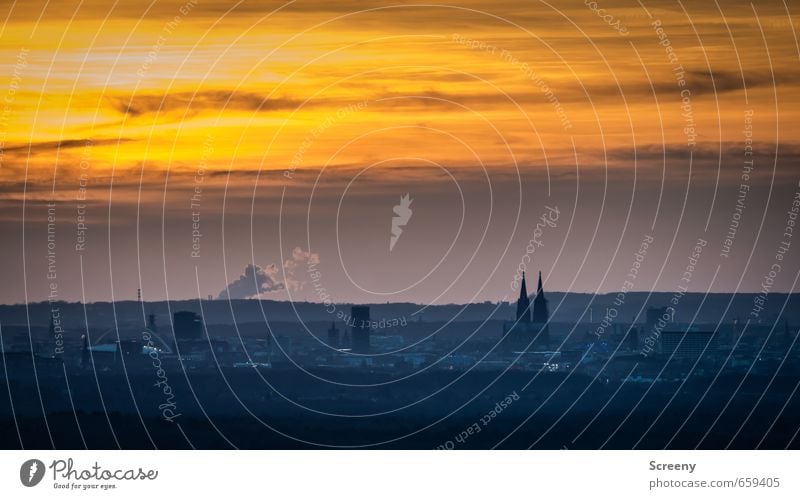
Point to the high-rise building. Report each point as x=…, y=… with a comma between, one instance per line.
x=359, y=332
x=188, y=325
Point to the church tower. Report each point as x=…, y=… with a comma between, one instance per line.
x=540, y=317
x=523, y=303
x=540, y=314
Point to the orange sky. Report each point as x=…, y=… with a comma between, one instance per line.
x=258, y=81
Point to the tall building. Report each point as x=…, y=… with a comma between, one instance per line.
x=333, y=335
x=529, y=332
x=188, y=326
x=359, y=336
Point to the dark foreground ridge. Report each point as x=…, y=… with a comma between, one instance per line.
x=555, y=411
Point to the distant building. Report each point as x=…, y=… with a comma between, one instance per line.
x=386, y=342
x=631, y=340
x=529, y=332
x=345, y=343
x=333, y=335
x=188, y=326
x=205, y=352
x=655, y=314
x=359, y=332
x=687, y=344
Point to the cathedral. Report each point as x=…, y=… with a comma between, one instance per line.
x=529, y=332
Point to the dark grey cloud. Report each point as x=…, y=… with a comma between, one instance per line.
x=194, y=103
x=257, y=280
x=254, y=281
x=705, y=152
x=699, y=82
x=703, y=82
x=39, y=147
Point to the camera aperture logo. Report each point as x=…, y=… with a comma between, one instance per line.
x=66, y=475
x=31, y=472
x=403, y=214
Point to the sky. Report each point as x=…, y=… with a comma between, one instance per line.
x=260, y=149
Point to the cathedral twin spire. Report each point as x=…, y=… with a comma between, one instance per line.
x=540, y=313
